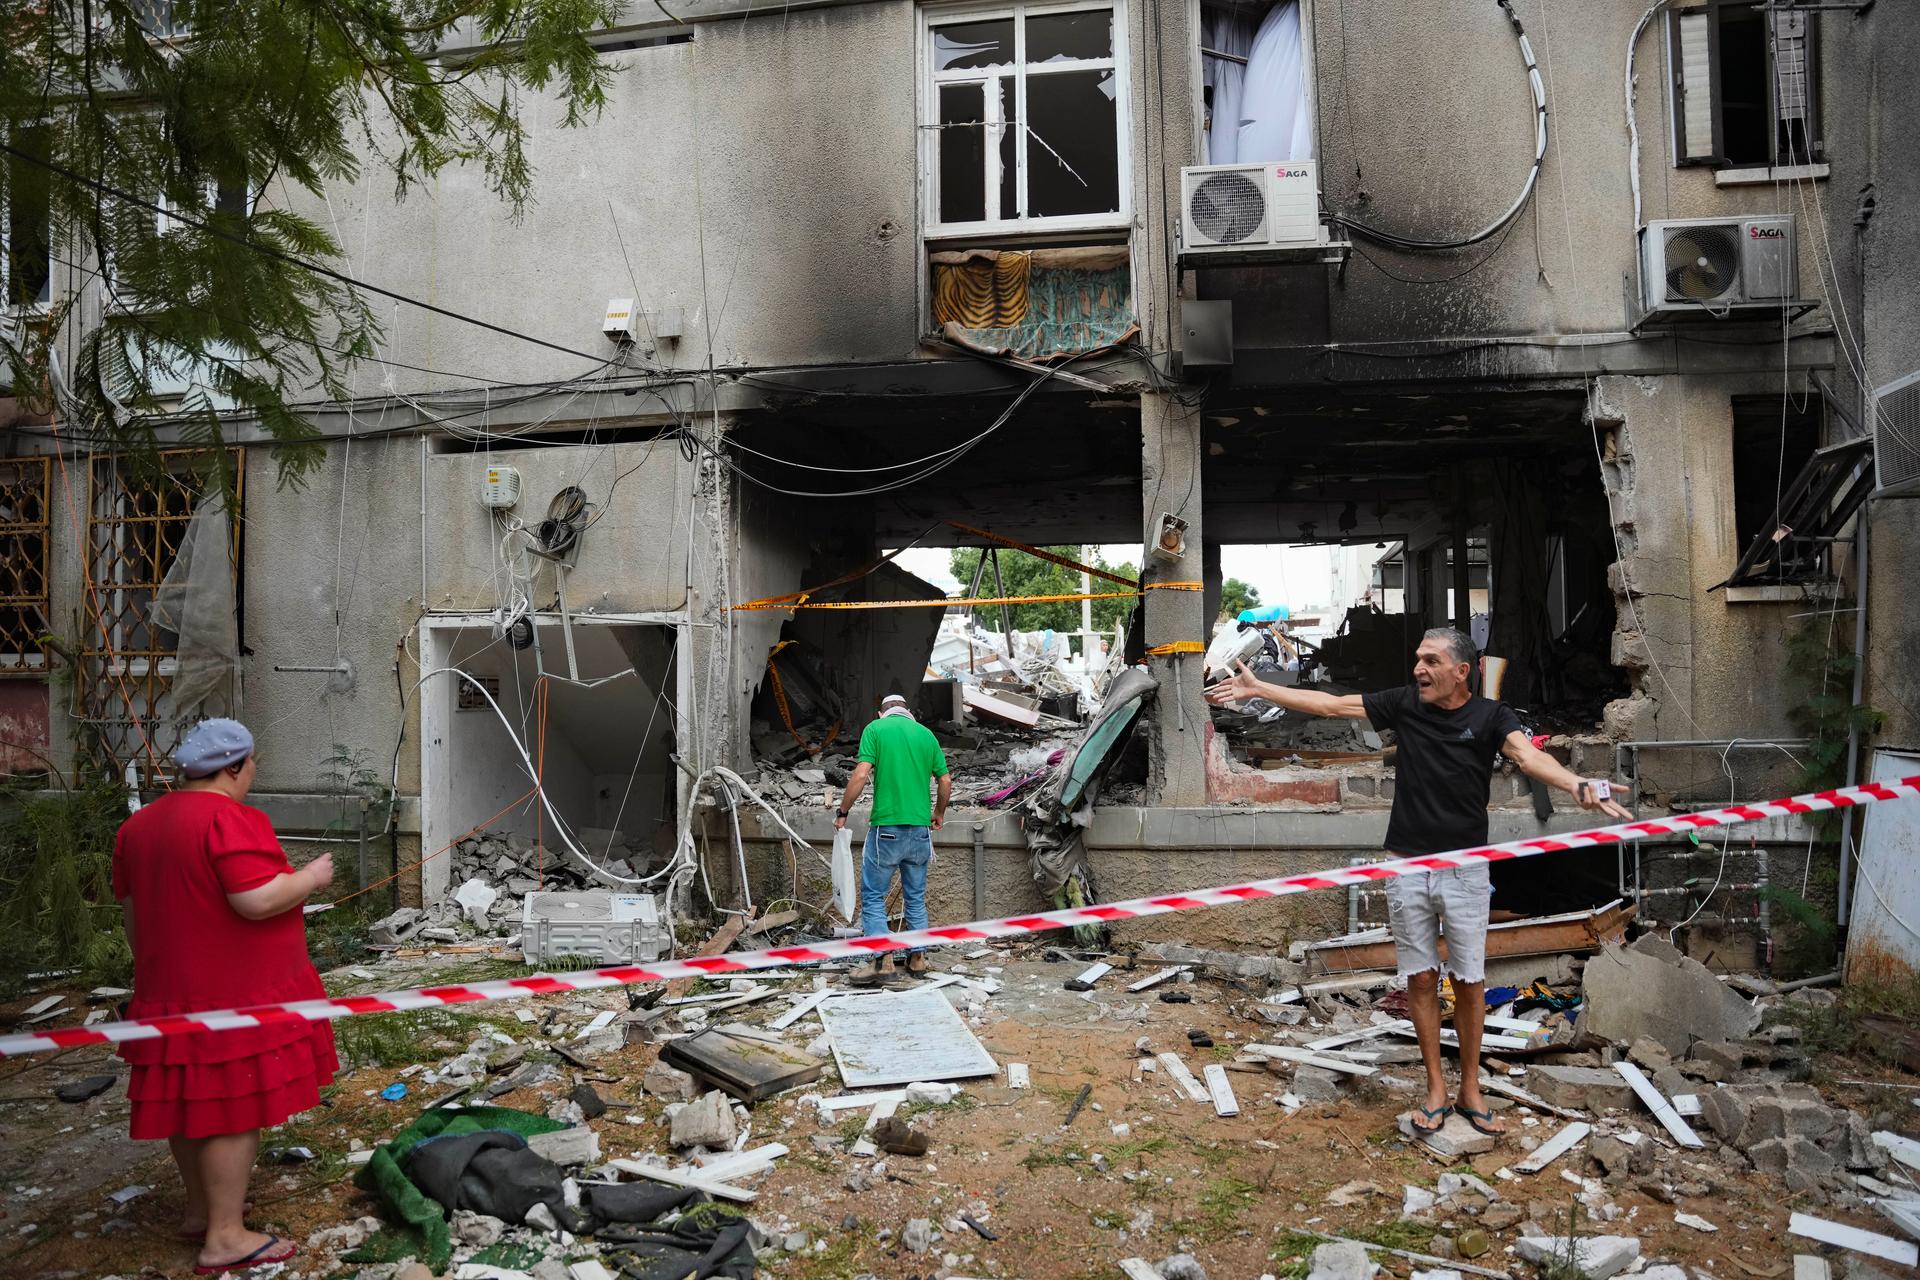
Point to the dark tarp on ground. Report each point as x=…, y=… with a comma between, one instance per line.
x=385, y=1178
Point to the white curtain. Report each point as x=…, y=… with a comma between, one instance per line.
x=1273, y=122
x=1225, y=30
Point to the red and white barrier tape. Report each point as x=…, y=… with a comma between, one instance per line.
x=1015, y=926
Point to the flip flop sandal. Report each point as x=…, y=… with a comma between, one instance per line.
x=261, y=1257
x=1469, y=1114
x=195, y=1237
x=1437, y=1114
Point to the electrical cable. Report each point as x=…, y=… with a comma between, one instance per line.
x=1413, y=244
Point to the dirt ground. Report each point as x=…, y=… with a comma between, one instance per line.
x=1062, y=1202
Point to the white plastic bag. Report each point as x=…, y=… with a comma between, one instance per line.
x=846, y=889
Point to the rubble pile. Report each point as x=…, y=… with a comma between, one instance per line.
x=493, y=872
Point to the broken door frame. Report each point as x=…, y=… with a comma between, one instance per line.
x=438, y=826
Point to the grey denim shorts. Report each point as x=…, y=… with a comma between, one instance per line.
x=1423, y=904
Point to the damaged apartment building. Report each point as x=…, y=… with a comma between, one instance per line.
x=1585, y=317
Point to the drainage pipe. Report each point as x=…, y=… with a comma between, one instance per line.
x=979, y=871
x=1844, y=904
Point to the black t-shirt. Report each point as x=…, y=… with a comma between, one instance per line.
x=1442, y=768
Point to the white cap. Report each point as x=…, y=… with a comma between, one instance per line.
x=894, y=700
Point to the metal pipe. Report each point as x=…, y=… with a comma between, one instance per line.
x=1844, y=905
x=979, y=871
x=363, y=845
x=1633, y=747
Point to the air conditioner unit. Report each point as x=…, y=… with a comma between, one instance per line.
x=1234, y=208
x=1895, y=414
x=1717, y=265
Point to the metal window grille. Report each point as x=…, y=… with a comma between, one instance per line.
x=23, y=566
x=136, y=521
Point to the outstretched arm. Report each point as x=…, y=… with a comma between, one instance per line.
x=1536, y=763
x=1245, y=686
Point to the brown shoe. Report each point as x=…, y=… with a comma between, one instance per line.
x=873, y=973
x=917, y=964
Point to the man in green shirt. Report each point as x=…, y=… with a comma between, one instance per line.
x=902, y=757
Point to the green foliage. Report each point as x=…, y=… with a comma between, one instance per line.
x=1807, y=941
x=1028, y=575
x=1236, y=596
x=57, y=909
x=267, y=97
x=1823, y=665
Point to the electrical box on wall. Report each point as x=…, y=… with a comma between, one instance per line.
x=622, y=321
x=499, y=487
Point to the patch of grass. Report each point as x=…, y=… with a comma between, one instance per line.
x=1293, y=1254
x=711, y=1214
x=850, y=1129
x=1402, y=1233
x=1222, y=1203
x=1224, y=1052
x=1133, y=1148
x=383, y=1040
x=961, y=1102
x=1037, y=1160
x=1836, y=1028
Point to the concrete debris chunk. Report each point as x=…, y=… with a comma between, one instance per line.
x=1649, y=989
x=567, y=1147
x=1454, y=1138
x=1581, y=1088
x=476, y=1229
x=669, y=1082
x=1180, y=1266
x=475, y=898
x=1415, y=1200
x=1340, y=1260
x=708, y=1121
x=918, y=1235
x=1595, y=1257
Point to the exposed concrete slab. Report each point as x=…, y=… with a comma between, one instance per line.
x=1650, y=989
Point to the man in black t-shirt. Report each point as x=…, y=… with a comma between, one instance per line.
x=1448, y=737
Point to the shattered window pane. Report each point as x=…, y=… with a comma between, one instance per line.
x=963, y=153
x=1009, y=151
x=1055, y=36
x=1073, y=154
x=960, y=46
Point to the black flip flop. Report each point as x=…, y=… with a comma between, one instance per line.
x=1468, y=1114
x=1439, y=1114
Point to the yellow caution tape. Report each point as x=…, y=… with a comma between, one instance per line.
x=799, y=599
x=1178, y=646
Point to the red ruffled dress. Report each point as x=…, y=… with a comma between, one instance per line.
x=175, y=861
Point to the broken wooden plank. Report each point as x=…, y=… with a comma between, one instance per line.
x=1905, y=1150
x=778, y=920
x=1017, y=1077
x=1871, y=1243
x=798, y=1010
x=1506, y=1089
x=1430, y=1259
x=734, y=1165
x=1555, y=1147
x=1185, y=1078
x=1155, y=979
x=983, y=703
x=1224, y=1103
x=723, y=937
x=710, y=997
x=678, y=1178
x=1092, y=974
x=1524, y=1026
x=1549, y=935
x=1902, y=1213
x=1365, y=1033
x=1301, y=1057
x=1451, y=1038
x=1657, y=1103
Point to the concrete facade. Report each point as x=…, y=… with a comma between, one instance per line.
x=761, y=180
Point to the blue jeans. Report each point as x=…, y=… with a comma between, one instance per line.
x=907, y=849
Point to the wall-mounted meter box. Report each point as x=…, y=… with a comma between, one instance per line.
x=499, y=487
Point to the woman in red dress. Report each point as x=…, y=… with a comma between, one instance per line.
x=213, y=913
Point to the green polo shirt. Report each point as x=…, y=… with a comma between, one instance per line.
x=906, y=757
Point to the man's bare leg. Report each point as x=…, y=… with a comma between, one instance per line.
x=1469, y=1020
x=1423, y=1007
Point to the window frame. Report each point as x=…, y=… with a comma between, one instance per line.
x=928, y=81
x=8, y=306
x=22, y=660
x=1711, y=10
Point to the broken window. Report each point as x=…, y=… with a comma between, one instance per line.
x=1254, y=85
x=23, y=565
x=1027, y=119
x=138, y=525
x=1773, y=438
x=27, y=263
x=1745, y=85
